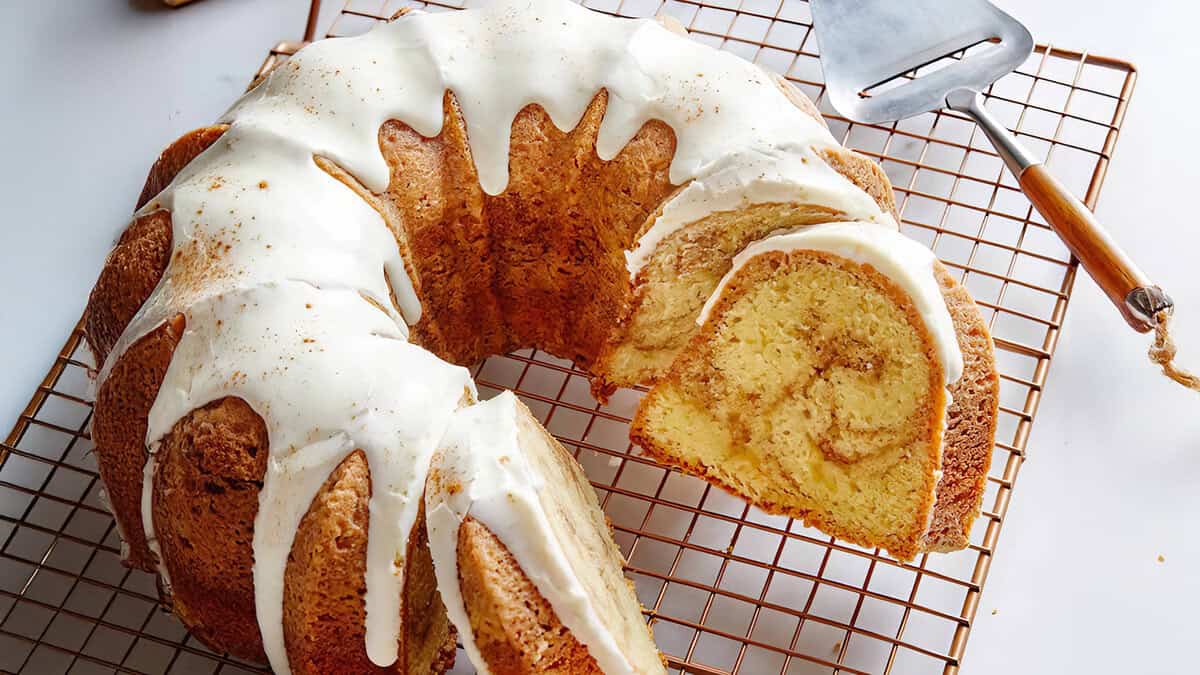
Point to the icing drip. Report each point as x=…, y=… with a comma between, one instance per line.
x=270, y=251
x=738, y=136
x=904, y=261
x=497, y=485
x=330, y=374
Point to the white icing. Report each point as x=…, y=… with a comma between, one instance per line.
x=739, y=138
x=904, y=261
x=269, y=250
x=496, y=484
x=790, y=173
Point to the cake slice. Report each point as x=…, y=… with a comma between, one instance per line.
x=816, y=386
x=524, y=558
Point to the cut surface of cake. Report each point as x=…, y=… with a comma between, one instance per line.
x=282, y=327
x=816, y=386
x=501, y=489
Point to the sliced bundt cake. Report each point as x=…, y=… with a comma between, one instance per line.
x=816, y=386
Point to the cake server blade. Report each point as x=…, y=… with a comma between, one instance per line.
x=886, y=60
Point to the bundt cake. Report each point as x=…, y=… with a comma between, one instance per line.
x=283, y=327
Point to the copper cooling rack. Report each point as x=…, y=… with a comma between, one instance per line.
x=727, y=588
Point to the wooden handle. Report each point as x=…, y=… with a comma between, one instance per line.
x=1113, y=271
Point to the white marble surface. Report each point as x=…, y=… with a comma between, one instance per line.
x=92, y=90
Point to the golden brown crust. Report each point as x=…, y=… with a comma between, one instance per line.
x=515, y=628
x=324, y=584
x=129, y=275
x=435, y=205
x=206, y=498
x=175, y=157
x=210, y=470
x=325, y=587
x=119, y=430
x=970, y=424
x=561, y=226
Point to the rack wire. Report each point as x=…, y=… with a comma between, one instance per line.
x=727, y=588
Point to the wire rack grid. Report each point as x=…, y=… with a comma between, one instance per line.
x=727, y=588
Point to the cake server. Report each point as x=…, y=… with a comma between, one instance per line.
x=869, y=50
